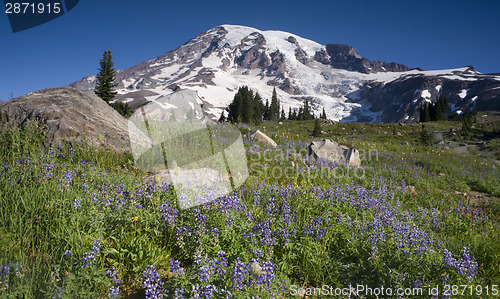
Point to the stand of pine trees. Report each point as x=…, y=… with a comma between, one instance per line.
x=434, y=111
x=304, y=113
x=247, y=107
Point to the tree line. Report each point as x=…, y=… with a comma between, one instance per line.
x=440, y=111
x=247, y=107
x=434, y=111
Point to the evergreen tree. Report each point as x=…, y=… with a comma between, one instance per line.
x=434, y=111
x=222, y=117
x=323, y=116
x=258, y=108
x=246, y=107
x=234, y=114
x=274, y=108
x=294, y=114
x=467, y=119
x=266, y=110
x=172, y=116
x=290, y=116
x=247, y=110
x=305, y=114
x=425, y=113
x=442, y=108
x=317, y=128
x=122, y=108
x=425, y=136
x=106, y=78
x=300, y=114
x=283, y=116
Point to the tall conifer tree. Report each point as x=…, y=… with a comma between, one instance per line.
x=106, y=78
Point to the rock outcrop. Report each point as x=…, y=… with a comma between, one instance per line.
x=261, y=137
x=332, y=151
x=72, y=115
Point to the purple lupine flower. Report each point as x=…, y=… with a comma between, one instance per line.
x=152, y=284
x=195, y=289
x=179, y=293
x=77, y=203
x=267, y=276
x=208, y=291
x=206, y=271
x=4, y=276
x=168, y=213
x=175, y=267
x=115, y=289
x=197, y=257
x=221, y=263
x=240, y=273
x=89, y=256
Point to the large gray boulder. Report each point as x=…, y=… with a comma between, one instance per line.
x=331, y=151
x=72, y=115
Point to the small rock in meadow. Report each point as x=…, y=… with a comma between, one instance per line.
x=256, y=270
x=410, y=188
x=261, y=137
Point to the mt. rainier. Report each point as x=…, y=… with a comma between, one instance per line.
x=350, y=88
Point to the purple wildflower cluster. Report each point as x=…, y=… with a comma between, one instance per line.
x=168, y=213
x=152, y=284
x=466, y=265
x=266, y=278
x=115, y=289
x=4, y=276
x=315, y=228
x=175, y=267
x=90, y=256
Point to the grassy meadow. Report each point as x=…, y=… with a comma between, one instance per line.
x=77, y=222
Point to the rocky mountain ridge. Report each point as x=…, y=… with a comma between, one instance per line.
x=351, y=88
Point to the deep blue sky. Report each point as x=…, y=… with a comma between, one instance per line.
x=432, y=34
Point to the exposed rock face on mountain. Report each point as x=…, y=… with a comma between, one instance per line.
x=71, y=114
x=465, y=90
x=347, y=58
x=350, y=88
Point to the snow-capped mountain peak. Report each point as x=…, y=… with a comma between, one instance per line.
x=219, y=61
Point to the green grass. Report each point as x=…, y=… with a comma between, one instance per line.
x=315, y=223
